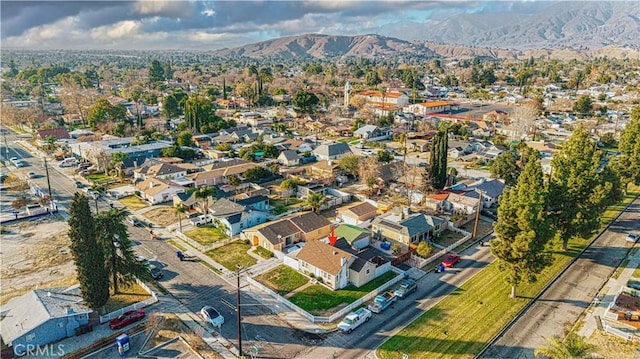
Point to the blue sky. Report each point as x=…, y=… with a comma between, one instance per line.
x=172, y=24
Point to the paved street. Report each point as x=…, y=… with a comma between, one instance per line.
x=567, y=298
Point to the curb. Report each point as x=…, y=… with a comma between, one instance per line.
x=546, y=287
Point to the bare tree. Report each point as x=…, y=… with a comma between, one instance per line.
x=523, y=118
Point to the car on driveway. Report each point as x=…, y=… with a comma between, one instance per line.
x=451, y=260
x=127, y=318
x=212, y=316
x=632, y=237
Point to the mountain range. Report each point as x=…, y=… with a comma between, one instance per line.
x=574, y=29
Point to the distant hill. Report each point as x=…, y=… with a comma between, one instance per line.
x=328, y=46
x=558, y=24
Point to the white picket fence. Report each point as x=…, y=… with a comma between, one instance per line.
x=337, y=315
x=630, y=337
x=154, y=298
x=419, y=262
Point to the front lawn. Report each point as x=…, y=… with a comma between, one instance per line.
x=206, y=235
x=282, y=279
x=462, y=324
x=133, y=203
x=99, y=178
x=282, y=205
x=263, y=252
x=232, y=254
x=318, y=299
x=126, y=296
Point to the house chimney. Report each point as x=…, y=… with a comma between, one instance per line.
x=332, y=237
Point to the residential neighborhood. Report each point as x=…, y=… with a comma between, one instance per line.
x=214, y=206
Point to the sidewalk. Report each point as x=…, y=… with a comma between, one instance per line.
x=612, y=288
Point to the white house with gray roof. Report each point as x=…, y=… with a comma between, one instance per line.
x=42, y=316
x=333, y=151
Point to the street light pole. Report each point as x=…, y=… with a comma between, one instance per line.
x=46, y=170
x=239, y=313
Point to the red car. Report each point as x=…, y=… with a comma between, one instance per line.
x=451, y=260
x=126, y=319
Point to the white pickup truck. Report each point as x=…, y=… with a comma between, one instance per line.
x=201, y=220
x=354, y=320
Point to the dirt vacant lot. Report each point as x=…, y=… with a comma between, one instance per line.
x=35, y=254
x=163, y=216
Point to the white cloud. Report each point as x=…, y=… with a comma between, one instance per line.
x=119, y=30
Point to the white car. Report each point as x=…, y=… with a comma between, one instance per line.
x=212, y=316
x=354, y=320
x=632, y=237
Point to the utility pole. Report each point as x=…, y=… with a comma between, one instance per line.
x=239, y=313
x=475, y=226
x=46, y=169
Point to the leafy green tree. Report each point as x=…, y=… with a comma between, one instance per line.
x=171, y=107
x=424, y=249
x=577, y=192
x=438, y=169
x=290, y=184
x=204, y=193
x=120, y=258
x=185, y=138
x=584, y=105
x=573, y=346
x=384, y=156
x=256, y=173
x=235, y=182
x=350, y=164
x=156, y=72
x=523, y=229
x=197, y=112
x=505, y=168
x=629, y=159
x=371, y=78
x=304, y=101
x=315, y=200
x=102, y=111
x=88, y=255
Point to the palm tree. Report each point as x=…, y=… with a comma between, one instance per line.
x=234, y=181
x=205, y=193
x=573, y=346
x=315, y=201
x=179, y=211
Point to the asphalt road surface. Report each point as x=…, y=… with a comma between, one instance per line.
x=571, y=294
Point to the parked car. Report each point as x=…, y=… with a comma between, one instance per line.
x=133, y=220
x=632, y=237
x=32, y=175
x=201, y=220
x=451, y=260
x=156, y=273
x=21, y=164
x=79, y=184
x=212, y=316
x=127, y=318
x=354, y=320
x=405, y=288
x=193, y=215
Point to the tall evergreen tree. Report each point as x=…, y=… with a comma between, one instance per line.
x=87, y=253
x=577, y=189
x=156, y=72
x=523, y=228
x=629, y=159
x=120, y=259
x=505, y=168
x=438, y=169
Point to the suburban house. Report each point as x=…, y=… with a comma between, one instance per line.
x=384, y=102
x=217, y=173
x=57, y=133
x=428, y=107
x=42, y=316
x=406, y=228
x=325, y=262
x=202, y=141
x=490, y=190
x=232, y=218
x=160, y=170
x=357, y=237
x=92, y=150
x=289, y=158
x=156, y=190
x=372, y=133
x=333, y=151
x=323, y=169
x=436, y=201
x=466, y=203
x=359, y=214
x=298, y=227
